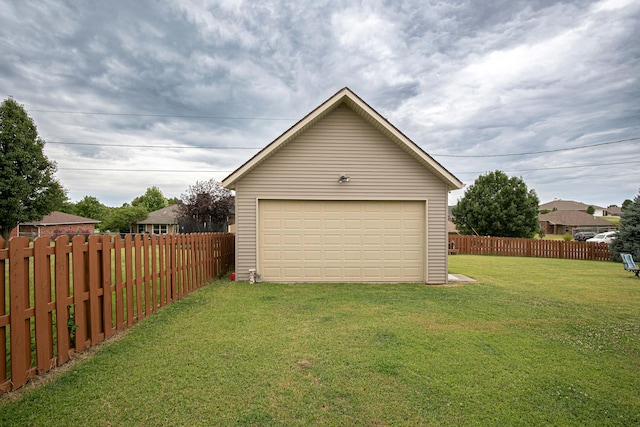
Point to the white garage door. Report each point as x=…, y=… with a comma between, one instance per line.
x=341, y=241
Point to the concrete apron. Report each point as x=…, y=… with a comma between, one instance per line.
x=458, y=278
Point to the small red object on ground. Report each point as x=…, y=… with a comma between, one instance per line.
x=233, y=276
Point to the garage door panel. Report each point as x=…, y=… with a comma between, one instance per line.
x=275, y=255
x=273, y=239
x=373, y=255
x=311, y=239
x=332, y=224
x=372, y=273
x=392, y=240
x=353, y=240
x=412, y=240
x=291, y=273
x=333, y=273
x=341, y=241
x=332, y=240
x=332, y=255
x=352, y=224
x=352, y=273
x=313, y=224
x=292, y=255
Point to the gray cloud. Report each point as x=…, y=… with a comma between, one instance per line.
x=459, y=78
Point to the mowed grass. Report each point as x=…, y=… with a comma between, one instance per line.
x=533, y=342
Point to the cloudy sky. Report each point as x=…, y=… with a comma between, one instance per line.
x=134, y=94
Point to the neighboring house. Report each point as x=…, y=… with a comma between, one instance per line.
x=570, y=205
x=162, y=221
x=613, y=211
x=56, y=224
x=451, y=227
x=342, y=196
x=561, y=222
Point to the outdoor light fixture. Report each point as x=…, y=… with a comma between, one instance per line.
x=344, y=178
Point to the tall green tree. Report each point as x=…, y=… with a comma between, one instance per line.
x=124, y=218
x=497, y=205
x=628, y=239
x=152, y=200
x=91, y=207
x=28, y=188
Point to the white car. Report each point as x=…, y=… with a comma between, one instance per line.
x=604, y=237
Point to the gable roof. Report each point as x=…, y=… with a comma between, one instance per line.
x=566, y=205
x=166, y=215
x=61, y=218
x=573, y=218
x=347, y=97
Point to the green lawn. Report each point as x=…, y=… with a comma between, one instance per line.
x=533, y=342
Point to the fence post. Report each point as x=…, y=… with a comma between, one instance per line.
x=95, y=278
x=19, y=323
x=62, y=298
x=107, y=287
x=147, y=282
x=80, y=291
x=42, y=298
x=4, y=318
x=138, y=273
x=118, y=247
x=128, y=261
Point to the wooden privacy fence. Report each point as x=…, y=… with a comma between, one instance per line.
x=506, y=246
x=64, y=298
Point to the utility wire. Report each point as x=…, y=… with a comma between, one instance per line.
x=558, y=167
x=257, y=148
x=459, y=173
x=158, y=115
x=539, y=152
x=151, y=146
x=143, y=170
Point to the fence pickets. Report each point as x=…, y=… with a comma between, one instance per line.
x=65, y=298
x=506, y=246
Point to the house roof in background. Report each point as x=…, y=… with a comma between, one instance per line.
x=614, y=210
x=61, y=218
x=573, y=218
x=166, y=215
x=347, y=97
x=567, y=205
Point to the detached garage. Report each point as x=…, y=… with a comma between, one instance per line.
x=342, y=196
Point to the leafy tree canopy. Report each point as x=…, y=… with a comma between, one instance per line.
x=206, y=204
x=628, y=239
x=152, y=200
x=28, y=189
x=123, y=219
x=496, y=205
x=91, y=207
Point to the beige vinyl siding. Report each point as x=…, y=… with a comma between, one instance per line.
x=309, y=166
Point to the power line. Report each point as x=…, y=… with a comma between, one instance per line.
x=558, y=167
x=539, y=152
x=257, y=148
x=150, y=146
x=96, y=113
x=226, y=171
x=143, y=170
